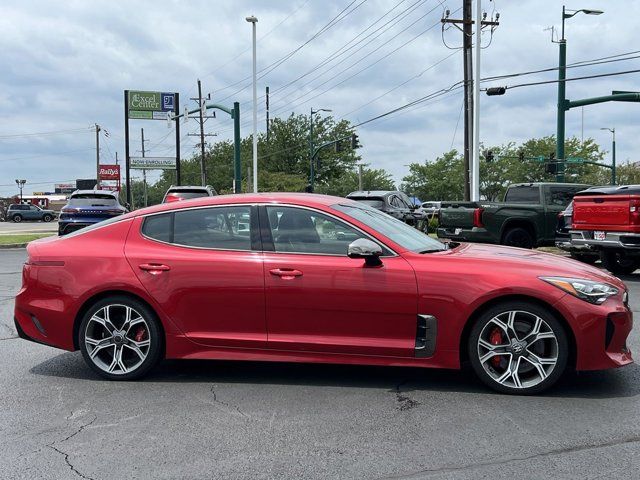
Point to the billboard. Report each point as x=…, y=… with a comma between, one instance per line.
x=149, y=105
x=150, y=163
x=64, y=188
x=109, y=172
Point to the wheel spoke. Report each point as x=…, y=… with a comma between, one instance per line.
x=104, y=321
x=539, y=364
x=99, y=348
x=508, y=327
x=135, y=347
x=511, y=373
x=117, y=361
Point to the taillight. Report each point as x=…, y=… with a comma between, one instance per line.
x=114, y=211
x=172, y=198
x=634, y=212
x=477, y=217
x=70, y=210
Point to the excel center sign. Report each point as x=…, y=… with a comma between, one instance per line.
x=150, y=105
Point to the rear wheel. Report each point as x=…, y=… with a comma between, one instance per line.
x=518, y=348
x=47, y=218
x=518, y=237
x=120, y=338
x=618, y=262
x=17, y=218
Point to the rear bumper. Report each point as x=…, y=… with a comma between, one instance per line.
x=612, y=240
x=473, y=234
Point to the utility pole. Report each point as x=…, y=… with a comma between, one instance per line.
x=203, y=173
x=144, y=171
x=116, y=158
x=613, y=153
x=267, y=106
x=475, y=169
x=360, y=177
x=97, y=156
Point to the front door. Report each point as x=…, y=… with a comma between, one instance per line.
x=320, y=300
x=199, y=265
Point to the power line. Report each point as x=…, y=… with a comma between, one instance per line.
x=611, y=74
x=42, y=134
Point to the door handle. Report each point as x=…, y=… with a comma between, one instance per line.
x=285, y=273
x=154, y=268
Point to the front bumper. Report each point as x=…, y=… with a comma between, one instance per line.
x=624, y=240
x=600, y=331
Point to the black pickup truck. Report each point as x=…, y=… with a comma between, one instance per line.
x=527, y=218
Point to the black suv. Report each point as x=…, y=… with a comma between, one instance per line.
x=395, y=203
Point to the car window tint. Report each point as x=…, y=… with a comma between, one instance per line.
x=560, y=196
x=219, y=227
x=299, y=230
x=523, y=194
x=158, y=227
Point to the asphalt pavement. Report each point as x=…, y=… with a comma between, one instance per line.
x=12, y=228
x=210, y=420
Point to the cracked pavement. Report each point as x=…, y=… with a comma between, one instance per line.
x=210, y=420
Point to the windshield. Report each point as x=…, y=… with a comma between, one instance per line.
x=397, y=231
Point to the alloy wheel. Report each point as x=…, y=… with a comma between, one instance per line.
x=117, y=339
x=518, y=349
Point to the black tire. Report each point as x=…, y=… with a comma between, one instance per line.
x=17, y=218
x=47, y=218
x=117, y=305
x=588, y=258
x=619, y=263
x=532, y=382
x=518, y=237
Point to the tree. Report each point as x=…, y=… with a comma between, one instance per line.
x=372, y=179
x=441, y=179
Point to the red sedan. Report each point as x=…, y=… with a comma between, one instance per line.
x=312, y=278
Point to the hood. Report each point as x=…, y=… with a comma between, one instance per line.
x=529, y=262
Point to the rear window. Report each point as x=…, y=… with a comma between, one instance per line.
x=561, y=196
x=187, y=195
x=93, y=200
x=523, y=194
x=372, y=202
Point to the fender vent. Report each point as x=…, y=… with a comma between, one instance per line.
x=426, y=332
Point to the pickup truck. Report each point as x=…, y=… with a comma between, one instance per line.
x=526, y=218
x=607, y=219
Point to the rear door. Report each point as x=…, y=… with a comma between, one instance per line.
x=320, y=300
x=204, y=269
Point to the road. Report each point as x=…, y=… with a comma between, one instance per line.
x=209, y=420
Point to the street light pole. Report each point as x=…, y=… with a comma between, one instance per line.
x=613, y=153
x=20, y=186
x=312, y=173
x=253, y=20
x=562, y=99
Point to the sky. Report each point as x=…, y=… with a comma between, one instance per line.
x=65, y=66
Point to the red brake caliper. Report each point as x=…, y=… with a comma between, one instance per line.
x=495, y=338
x=140, y=333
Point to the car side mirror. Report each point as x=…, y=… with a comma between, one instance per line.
x=365, y=248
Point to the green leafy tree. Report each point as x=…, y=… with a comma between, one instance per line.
x=372, y=179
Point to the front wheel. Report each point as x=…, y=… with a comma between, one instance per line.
x=619, y=263
x=518, y=348
x=47, y=218
x=17, y=218
x=120, y=338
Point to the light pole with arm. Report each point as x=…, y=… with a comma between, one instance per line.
x=562, y=100
x=311, y=166
x=613, y=154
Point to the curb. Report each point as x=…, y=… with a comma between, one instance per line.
x=14, y=245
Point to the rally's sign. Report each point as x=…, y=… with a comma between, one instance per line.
x=150, y=163
x=150, y=105
x=109, y=172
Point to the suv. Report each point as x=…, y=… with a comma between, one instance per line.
x=177, y=193
x=395, y=203
x=86, y=207
x=19, y=212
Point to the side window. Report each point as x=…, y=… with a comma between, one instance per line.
x=523, y=194
x=299, y=230
x=559, y=196
x=226, y=228
x=396, y=202
x=159, y=227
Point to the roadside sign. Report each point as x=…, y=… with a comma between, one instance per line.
x=109, y=172
x=150, y=163
x=144, y=105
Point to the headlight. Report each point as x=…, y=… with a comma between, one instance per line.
x=588, y=290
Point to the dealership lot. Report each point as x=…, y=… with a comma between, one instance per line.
x=257, y=420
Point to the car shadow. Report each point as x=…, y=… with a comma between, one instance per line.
x=616, y=383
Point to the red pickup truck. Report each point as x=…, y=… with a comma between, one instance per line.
x=607, y=219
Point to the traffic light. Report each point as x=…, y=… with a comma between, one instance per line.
x=551, y=166
x=488, y=156
x=354, y=141
x=496, y=91
x=521, y=155
x=338, y=146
